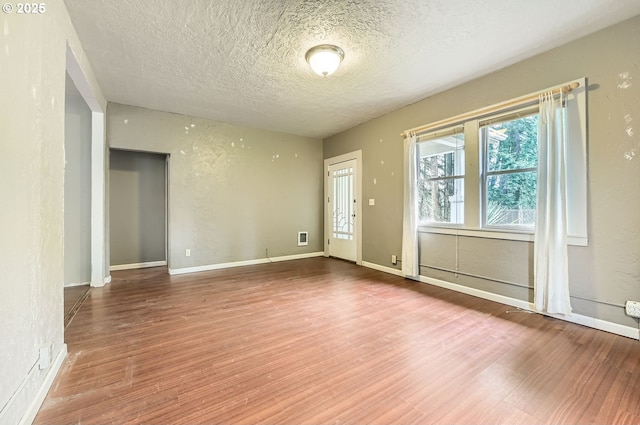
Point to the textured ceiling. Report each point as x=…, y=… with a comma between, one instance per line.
x=242, y=61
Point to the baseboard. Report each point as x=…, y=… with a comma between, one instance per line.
x=603, y=325
x=296, y=257
x=101, y=283
x=385, y=269
x=137, y=265
x=72, y=285
x=242, y=263
x=524, y=305
x=579, y=319
x=219, y=266
x=36, y=403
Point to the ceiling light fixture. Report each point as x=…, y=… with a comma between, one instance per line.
x=324, y=59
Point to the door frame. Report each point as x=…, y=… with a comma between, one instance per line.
x=357, y=190
x=167, y=236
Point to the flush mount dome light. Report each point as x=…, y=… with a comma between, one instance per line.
x=324, y=59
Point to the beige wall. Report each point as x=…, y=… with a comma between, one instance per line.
x=603, y=275
x=234, y=192
x=32, y=116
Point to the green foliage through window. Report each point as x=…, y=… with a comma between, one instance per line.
x=511, y=155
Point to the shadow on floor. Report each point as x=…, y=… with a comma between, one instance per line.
x=74, y=296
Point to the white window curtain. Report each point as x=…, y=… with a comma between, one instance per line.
x=551, y=275
x=410, y=260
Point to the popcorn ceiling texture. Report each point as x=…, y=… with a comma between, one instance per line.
x=243, y=62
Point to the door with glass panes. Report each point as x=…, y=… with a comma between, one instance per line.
x=342, y=210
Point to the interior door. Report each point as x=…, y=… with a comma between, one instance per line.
x=342, y=210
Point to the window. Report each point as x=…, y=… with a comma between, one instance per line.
x=477, y=173
x=441, y=177
x=509, y=149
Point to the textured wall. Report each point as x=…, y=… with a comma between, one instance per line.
x=137, y=186
x=603, y=275
x=32, y=93
x=234, y=192
x=77, y=187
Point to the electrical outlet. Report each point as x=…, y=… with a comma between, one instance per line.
x=633, y=308
x=45, y=356
x=187, y=253
x=394, y=259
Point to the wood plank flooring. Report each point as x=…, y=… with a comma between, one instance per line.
x=321, y=341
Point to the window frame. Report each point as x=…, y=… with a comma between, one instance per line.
x=433, y=136
x=576, y=151
x=485, y=173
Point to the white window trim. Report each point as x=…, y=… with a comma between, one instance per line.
x=485, y=173
x=577, y=184
x=456, y=150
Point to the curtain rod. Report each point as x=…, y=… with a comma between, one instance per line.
x=564, y=88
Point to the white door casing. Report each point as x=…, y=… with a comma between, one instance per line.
x=343, y=212
x=341, y=206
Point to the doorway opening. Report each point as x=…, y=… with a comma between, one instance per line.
x=99, y=273
x=77, y=200
x=84, y=200
x=137, y=209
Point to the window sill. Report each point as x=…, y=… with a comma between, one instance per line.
x=522, y=236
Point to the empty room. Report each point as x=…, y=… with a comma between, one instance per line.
x=312, y=212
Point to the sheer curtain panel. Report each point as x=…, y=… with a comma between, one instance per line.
x=551, y=275
x=410, y=260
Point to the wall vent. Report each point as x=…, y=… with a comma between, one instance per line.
x=303, y=238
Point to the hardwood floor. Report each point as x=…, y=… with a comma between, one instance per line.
x=321, y=341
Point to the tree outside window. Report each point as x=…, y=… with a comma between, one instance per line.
x=511, y=161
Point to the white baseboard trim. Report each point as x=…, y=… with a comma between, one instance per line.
x=242, y=263
x=524, y=305
x=296, y=257
x=603, y=325
x=71, y=285
x=137, y=265
x=219, y=266
x=36, y=403
x=385, y=269
x=579, y=319
x=101, y=283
